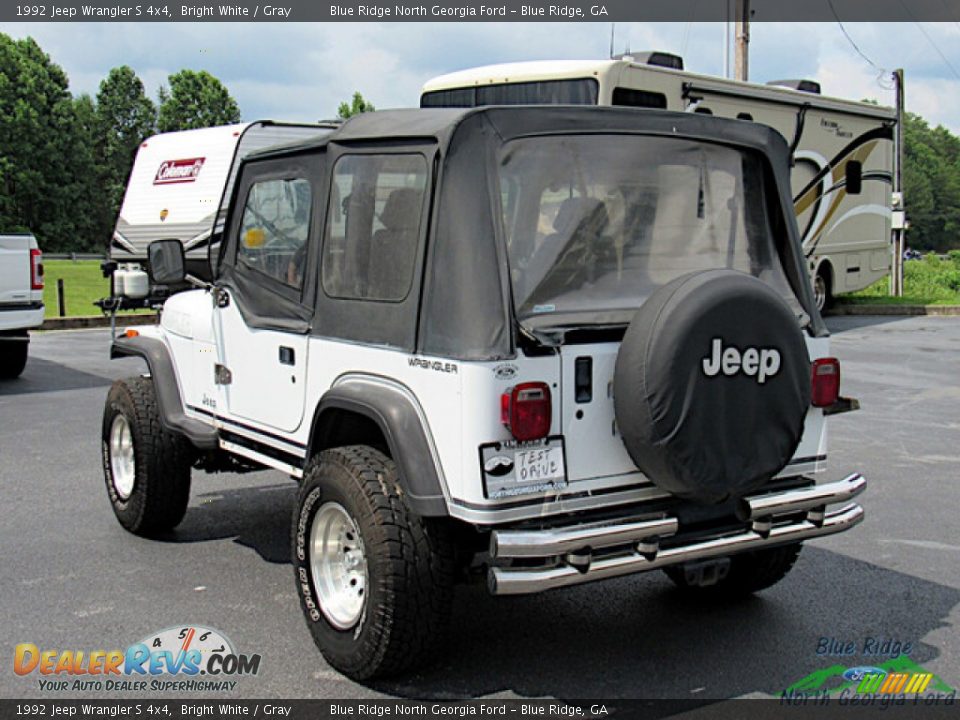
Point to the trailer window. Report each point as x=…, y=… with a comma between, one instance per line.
x=274, y=229
x=582, y=91
x=373, y=225
x=639, y=98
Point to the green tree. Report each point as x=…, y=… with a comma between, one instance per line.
x=195, y=100
x=124, y=117
x=38, y=122
x=931, y=184
x=356, y=106
x=91, y=217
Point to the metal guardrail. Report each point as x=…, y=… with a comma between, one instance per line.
x=74, y=256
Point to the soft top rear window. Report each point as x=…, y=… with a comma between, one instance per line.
x=595, y=224
x=581, y=91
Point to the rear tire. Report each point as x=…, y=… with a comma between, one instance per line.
x=146, y=467
x=377, y=597
x=13, y=358
x=749, y=573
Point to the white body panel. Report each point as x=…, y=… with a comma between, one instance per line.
x=849, y=235
x=264, y=390
x=19, y=308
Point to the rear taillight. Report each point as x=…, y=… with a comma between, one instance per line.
x=36, y=270
x=525, y=410
x=825, y=382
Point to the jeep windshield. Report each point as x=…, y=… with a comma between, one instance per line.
x=595, y=224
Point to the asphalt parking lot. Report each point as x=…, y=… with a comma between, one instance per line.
x=71, y=578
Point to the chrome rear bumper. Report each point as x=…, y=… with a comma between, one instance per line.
x=568, y=552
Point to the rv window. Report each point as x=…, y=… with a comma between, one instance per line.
x=373, y=224
x=639, y=98
x=458, y=97
x=854, y=177
x=274, y=229
x=546, y=92
x=744, y=116
x=703, y=111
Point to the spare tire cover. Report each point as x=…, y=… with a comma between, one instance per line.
x=712, y=385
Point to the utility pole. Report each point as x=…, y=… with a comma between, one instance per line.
x=898, y=224
x=726, y=42
x=741, y=61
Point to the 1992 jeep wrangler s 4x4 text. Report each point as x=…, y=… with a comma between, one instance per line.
x=556, y=344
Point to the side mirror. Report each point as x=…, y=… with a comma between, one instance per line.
x=167, y=265
x=854, y=177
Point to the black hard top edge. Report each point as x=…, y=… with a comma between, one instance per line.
x=515, y=121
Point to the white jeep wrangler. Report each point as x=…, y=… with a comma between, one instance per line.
x=551, y=344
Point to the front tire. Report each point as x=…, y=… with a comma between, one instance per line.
x=146, y=467
x=749, y=573
x=822, y=291
x=13, y=358
x=375, y=581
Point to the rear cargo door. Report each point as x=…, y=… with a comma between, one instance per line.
x=593, y=444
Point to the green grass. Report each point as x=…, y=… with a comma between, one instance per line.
x=928, y=281
x=82, y=284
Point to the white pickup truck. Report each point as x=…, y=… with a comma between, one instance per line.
x=21, y=299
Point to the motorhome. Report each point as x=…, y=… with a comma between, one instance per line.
x=841, y=150
x=181, y=182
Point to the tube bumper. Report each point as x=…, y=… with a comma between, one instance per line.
x=569, y=552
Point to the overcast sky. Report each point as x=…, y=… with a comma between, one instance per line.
x=301, y=71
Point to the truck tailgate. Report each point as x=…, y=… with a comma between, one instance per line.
x=15, y=270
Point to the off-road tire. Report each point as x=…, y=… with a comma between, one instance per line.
x=13, y=359
x=162, y=461
x=749, y=573
x=410, y=563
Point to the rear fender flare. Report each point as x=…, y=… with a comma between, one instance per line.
x=401, y=420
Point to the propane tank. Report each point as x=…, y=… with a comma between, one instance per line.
x=131, y=281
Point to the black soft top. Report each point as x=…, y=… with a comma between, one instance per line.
x=515, y=121
x=466, y=308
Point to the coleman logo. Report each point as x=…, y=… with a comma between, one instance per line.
x=178, y=171
x=753, y=362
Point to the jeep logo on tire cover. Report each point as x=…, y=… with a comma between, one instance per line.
x=760, y=362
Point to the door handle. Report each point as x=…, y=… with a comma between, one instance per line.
x=287, y=356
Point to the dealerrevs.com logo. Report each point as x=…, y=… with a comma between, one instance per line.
x=181, y=658
x=178, y=171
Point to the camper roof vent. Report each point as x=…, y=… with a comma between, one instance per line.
x=653, y=57
x=809, y=86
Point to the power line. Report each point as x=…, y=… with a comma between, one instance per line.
x=947, y=8
x=930, y=40
x=850, y=39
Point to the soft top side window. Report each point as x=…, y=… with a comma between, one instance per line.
x=373, y=225
x=274, y=229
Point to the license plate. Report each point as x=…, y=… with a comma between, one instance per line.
x=539, y=465
x=512, y=468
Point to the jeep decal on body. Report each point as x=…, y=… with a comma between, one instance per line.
x=437, y=365
x=760, y=362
